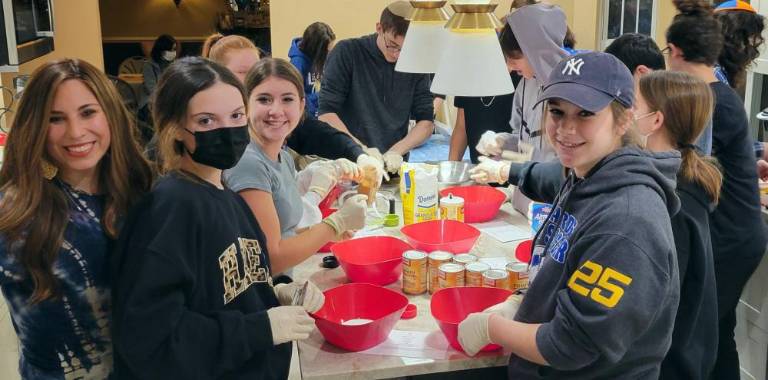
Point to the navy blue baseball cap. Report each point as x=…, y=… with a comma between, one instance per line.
x=591, y=81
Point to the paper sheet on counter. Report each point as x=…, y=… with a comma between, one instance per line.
x=503, y=231
x=412, y=344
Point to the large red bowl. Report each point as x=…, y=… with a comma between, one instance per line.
x=359, y=301
x=442, y=235
x=372, y=259
x=450, y=306
x=481, y=203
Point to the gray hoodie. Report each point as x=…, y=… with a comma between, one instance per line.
x=540, y=30
x=605, y=285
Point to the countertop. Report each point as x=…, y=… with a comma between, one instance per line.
x=321, y=360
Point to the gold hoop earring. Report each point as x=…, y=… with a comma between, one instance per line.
x=49, y=170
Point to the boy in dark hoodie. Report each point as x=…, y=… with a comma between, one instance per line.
x=604, y=278
x=364, y=96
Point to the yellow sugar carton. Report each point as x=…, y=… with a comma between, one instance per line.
x=418, y=191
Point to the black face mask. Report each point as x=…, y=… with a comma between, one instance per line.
x=220, y=148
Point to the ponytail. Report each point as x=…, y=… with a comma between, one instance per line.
x=686, y=103
x=703, y=171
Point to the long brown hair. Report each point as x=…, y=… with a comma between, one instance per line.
x=274, y=67
x=33, y=210
x=177, y=85
x=687, y=104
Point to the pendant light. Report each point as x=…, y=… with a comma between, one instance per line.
x=472, y=63
x=425, y=40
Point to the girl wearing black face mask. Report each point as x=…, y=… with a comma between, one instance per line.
x=192, y=291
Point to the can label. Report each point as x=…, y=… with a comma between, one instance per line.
x=518, y=275
x=436, y=259
x=414, y=272
x=496, y=278
x=450, y=275
x=464, y=258
x=452, y=208
x=474, y=273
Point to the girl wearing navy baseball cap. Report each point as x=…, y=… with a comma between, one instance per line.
x=604, y=283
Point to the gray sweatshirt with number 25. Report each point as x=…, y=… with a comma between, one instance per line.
x=605, y=279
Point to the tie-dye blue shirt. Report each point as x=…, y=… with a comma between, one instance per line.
x=66, y=337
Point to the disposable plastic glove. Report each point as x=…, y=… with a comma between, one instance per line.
x=289, y=323
x=490, y=171
x=393, y=161
x=351, y=215
x=365, y=161
x=323, y=180
x=492, y=143
x=373, y=152
x=313, y=297
x=508, y=308
x=473, y=333
x=524, y=153
x=346, y=169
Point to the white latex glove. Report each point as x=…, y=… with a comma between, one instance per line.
x=313, y=297
x=365, y=161
x=323, y=180
x=473, y=333
x=508, y=308
x=346, y=169
x=492, y=143
x=351, y=215
x=373, y=152
x=393, y=161
x=523, y=154
x=289, y=323
x=490, y=171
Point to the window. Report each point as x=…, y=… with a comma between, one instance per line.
x=627, y=16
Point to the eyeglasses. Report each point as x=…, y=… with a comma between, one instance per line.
x=391, y=46
x=666, y=50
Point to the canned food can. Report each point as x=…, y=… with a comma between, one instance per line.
x=474, y=273
x=450, y=275
x=414, y=272
x=436, y=259
x=518, y=275
x=452, y=208
x=464, y=258
x=496, y=278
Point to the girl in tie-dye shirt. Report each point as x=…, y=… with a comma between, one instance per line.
x=71, y=170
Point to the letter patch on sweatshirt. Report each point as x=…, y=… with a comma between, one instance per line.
x=253, y=271
x=603, y=285
x=556, y=234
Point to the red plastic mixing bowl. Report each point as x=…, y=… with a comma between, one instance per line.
x=373, y=259
x=350, y=302
x=481, y=203
x=523, y=251
x=450, y=306
x=442, y=235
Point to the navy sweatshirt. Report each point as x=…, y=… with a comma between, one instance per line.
x=695, y=333
x=373, y=100
x=191, y=288
x=736, y=225
x=605, y=285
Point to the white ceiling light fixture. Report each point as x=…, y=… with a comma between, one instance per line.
x=425, y=40
x=472, y=63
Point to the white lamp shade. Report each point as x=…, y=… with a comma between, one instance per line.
x=422, y=48
x=472, y=65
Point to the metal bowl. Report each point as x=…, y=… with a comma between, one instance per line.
x=453, y=173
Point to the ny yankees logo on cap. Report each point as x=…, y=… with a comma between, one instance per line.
x=573, y=66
